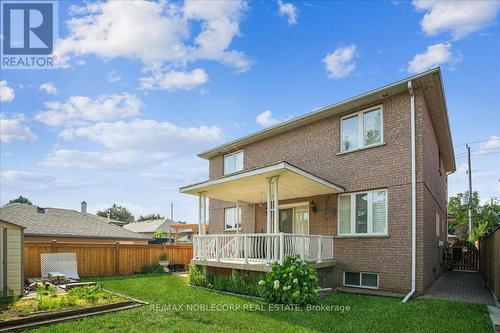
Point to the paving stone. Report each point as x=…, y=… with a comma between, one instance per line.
x=461, y=286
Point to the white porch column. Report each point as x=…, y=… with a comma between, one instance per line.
x=202, y=213
x=268, y=221
x=275, y=206
x=238, y=226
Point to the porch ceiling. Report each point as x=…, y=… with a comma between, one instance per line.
x=251, y=185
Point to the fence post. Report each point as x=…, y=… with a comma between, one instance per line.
x=54, y=246
x=282, y=247
x=303, y=248
x=217, y=247
x=320, y=248
x=117, y=258
x=245, y=253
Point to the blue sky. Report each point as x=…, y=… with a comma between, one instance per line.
x=140, y=88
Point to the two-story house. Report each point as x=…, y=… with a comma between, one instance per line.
x=358, y=188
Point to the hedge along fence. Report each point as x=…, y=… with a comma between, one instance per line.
x=94, y=259
x=489, y=254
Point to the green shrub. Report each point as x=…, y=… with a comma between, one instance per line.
x=47, y=289
x=152, y=269
x=198, y=276
x=293, y=282
x=46, y=303
x=92, y=294
x=236, y=283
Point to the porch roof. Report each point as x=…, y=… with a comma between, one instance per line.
x=251, y=185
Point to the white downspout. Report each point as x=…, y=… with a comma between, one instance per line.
x=413, y=197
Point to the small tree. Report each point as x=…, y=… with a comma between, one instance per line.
x=21, y=200
x=485, y=217
x=118, y=213
x=150, y=217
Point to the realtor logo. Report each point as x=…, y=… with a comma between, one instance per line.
x=29, y=30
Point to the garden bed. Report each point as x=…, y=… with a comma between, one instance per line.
x=47, y=307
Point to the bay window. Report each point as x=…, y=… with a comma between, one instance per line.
x=363, y=213
x=362, y=129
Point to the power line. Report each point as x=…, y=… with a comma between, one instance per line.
x=208, y=133
x=478, y=141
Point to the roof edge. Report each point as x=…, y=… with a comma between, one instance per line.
x=270, y=130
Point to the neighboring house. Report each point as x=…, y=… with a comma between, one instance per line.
x=83, y=210
x=11, y=254
x=358, y=188
x=166, y=226
x=66, y=225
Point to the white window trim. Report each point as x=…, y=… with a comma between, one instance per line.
x=232, y=154
x=361, y=130
x=361, y=280
x=369, y=217
x=240, y=220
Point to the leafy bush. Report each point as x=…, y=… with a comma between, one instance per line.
x=198, y=276
x=152, y=269
x=47, y=289
x=236, y=283
x=293, y=282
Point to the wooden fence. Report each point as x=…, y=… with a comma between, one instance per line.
x=489, y=248
x=106, y=259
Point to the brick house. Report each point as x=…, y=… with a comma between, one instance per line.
x=358, y=188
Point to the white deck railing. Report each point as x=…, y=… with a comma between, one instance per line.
x=253, y=248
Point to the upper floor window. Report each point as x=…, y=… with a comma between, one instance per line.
x=362, y=129
x=233, y=162
x=363, y=213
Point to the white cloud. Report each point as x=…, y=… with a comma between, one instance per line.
x=175, y=80
x=340, y=63
x=435, y=55
x=114, y=76
x=78, y=110
x=459, y=18
x=147, y=136
x=14, y=129
x=490, y=146
x=70, y=158
x=25, y=177
x=49, y=88
x=289, y=10
x=7, y=94
x=162, y=33
x=266, y=119
x=132, y=144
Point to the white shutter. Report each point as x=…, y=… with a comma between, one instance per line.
x=344, y=222
x=379, y=212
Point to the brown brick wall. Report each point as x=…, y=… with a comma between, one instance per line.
x=315, y=149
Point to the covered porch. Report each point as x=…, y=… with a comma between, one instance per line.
x=283, y=237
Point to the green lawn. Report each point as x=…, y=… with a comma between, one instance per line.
x=366, y=313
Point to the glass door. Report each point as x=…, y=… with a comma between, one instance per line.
x=301, y=221
x=286, y=220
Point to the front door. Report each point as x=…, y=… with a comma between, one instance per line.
x=295, y=220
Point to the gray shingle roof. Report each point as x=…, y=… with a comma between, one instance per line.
x=62, y=222
x=150, y=226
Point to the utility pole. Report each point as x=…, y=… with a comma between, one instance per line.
x=470, y=188
x=172, y=210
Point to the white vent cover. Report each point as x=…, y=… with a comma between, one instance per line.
x=64, y=262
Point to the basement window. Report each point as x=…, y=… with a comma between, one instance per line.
x=361, y=280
